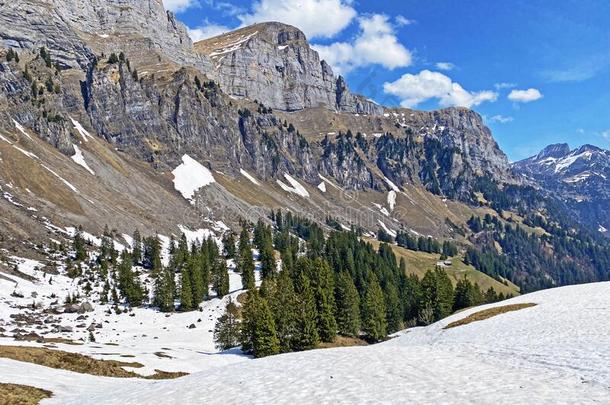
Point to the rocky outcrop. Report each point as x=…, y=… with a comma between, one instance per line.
x=274, y=64
x=74, y=31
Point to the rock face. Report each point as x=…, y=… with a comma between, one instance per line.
x=274, y=64
x=74, y=30
x=580, y=177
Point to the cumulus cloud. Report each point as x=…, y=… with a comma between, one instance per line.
x=178, y=5
x=501, y=119
x=415, y=89
x=207, y=31
x=445, y=66
x=376, y=43
x=316, y=18
x=524, y=96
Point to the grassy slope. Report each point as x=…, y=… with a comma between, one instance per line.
x=420, y=262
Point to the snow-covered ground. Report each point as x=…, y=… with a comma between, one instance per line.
x=555, y=352
x=190, y=176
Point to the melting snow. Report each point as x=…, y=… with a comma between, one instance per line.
x=388, y=230
x=392, y=199
x=5, y=140
x=82, y=131
x=234, y=46
x=392, y=185
x=602, y=229
x=190, y=176
x=66, y=182
x=25, y=152
x=249, y=177
x=322, y=187
x=80, y=160
x=21, y=129
x=296, y=188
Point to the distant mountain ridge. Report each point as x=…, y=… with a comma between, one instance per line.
x=580, y=177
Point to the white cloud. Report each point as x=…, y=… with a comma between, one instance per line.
x=207, y=31
x=501, y=119
x=524, y=96
x=401, y=21
x=316, y=18
x=376, y=43
x=504, y=85
x=179, y=5
x=606, y=134
x=426, y=85
x=445, y=66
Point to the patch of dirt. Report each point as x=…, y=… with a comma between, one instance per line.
x=343, y=341
x=488, y=313
x=14, y=394
x=79, y=363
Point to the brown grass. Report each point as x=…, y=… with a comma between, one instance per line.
x=14, y=394
x=343, y=341
x=79, y=363
x=488, y=313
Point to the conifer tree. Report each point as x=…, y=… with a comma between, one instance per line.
x=198, y=271
x=226, y=330
x=79, y=246
x=265, y=341
x=245, y=265
x=284, y=307
x=322, y=283
x=306, y=334
x=221, y=278
x=137, y=248
x=164, y=290
x=186, y=290
x=229, y=245
x=394, y=311
x=128, y=282
x=374, y=312
x=348, y=306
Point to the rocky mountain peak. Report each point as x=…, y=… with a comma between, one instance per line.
x=274, y=64
x=555, y=151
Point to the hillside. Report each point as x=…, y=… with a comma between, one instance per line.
x=552, y=352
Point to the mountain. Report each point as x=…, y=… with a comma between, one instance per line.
x=580, y=177
x=274, y=64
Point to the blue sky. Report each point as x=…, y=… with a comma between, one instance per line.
x=537, y=70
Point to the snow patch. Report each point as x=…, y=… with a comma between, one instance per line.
x=249, y=177
x=190, y=176
x=21, y=129
x=295, y=187
x=388, y=230
x=82, y=131
x=80, y=160
x=392, y=199
x=322, y=187
x=66, y=182
x=602, y=229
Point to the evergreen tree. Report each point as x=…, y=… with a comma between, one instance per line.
x=265, y=342
x=164, y=290
x=374, y=312
x=137, y=248
x=348, y=306
x=284, y=303
x=245, y=266
x=221, y=278
x=79, y=246
x=306, y=334
x=186, y=290
x=226, y=330
x=394, y=312
x=322, y=283
x=229, y=245
x=128, y=282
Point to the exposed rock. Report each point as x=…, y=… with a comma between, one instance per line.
x=274, y=64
